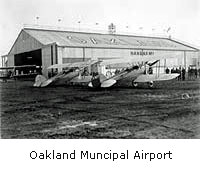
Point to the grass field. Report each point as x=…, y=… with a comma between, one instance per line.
x=169, y=110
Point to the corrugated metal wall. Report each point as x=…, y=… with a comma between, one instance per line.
x=80, y=54
x=10, y=61
x=50, y=55
x=169, y=59
x=46, y=59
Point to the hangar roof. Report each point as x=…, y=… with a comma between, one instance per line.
x=97, y=40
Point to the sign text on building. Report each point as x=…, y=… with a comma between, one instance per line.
x=142, y=53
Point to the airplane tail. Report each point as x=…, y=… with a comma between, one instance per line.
x=152, y=63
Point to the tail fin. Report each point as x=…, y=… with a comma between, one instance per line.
x=39, y=79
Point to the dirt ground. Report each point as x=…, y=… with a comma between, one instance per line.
x=169, y=110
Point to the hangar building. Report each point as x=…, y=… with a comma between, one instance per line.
x=43, y=48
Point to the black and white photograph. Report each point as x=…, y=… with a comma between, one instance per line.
x=96, y=69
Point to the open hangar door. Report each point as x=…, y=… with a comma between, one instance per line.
x=29, y=58
x=28, y=63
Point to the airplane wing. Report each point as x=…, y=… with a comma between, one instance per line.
x=73, y=65
x=155, y=77
x=59, y=66
x=6, y=68
x=108, y=83
x=115, y=61
x=18, y=67
x=105, y=84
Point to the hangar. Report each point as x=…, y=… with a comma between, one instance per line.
x=44, y=47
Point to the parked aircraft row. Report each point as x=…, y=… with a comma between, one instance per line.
x=77, y=73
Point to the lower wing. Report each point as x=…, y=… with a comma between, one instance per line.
x=104, y=84
x=108, y=83
x=61, y=78
x=155, y=77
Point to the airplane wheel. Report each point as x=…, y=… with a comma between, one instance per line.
x=150, y=84
x=134, y=84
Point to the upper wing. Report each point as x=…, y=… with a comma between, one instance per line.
x=59, y=66
x=73, y=65
x=6, y=68
x=18, y=67
x=115, y=61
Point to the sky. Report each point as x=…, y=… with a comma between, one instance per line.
x=143, y=17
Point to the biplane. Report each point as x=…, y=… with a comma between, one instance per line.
x=75, y=73
x=5, y=73
x=135, y=73
x=18, y=72
x=70, y=73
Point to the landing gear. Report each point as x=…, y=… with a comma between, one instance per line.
x=95, y=82
x=150, y=84
x=134, y=84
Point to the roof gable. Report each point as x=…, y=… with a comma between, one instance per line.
x=24, y=43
